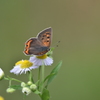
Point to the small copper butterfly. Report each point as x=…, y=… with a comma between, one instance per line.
x=39, y=45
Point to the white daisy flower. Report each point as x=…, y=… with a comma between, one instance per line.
x=1, y=74
x=23, y=66
x=39, y=60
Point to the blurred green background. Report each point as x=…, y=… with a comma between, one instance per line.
x=76, y=23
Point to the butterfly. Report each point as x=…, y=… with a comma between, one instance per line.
x=39, y=45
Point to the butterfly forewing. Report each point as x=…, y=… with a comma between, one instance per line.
x=45, y=37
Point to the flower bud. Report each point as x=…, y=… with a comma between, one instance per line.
x=26, y=90
x=23, y=84
x=1, y=74
x=33, y=87
x=10, y=90
x=29, y=83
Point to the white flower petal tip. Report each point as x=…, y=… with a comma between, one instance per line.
x=1, y=74
x=39, y=60
x=22, y=67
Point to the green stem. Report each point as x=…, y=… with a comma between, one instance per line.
x=42, y=76
x=39, y=77
x=9, y=83
x=6, y=78
x=12, y=79
x=39, y=73
x=30, y=77
x=16, y=80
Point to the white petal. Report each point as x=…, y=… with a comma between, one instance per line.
x=16, y=69
x=22, y=71
x=47, y=61
x=1, y=74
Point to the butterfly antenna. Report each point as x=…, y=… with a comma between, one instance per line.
x=56, y=45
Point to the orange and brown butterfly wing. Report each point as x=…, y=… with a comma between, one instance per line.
x=34, y=47
x=45, y=37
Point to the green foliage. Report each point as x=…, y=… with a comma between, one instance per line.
x=45, y=94
x=53, y=73
x=37, y=92
x=17, y=87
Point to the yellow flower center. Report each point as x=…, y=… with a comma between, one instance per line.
x=1, y=98
x=42, y=57
x=24, y=63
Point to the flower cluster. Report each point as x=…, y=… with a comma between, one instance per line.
x=39, y=86
x=34, y=62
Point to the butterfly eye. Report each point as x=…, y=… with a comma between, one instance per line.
x=47, y=41
x=48, y=37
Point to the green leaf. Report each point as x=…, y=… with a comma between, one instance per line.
x=37, y=82
x=53, y=73
x=41, y=83
x=37, y=92
x=45, y=94
x=18, y=87
x=49, y=76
